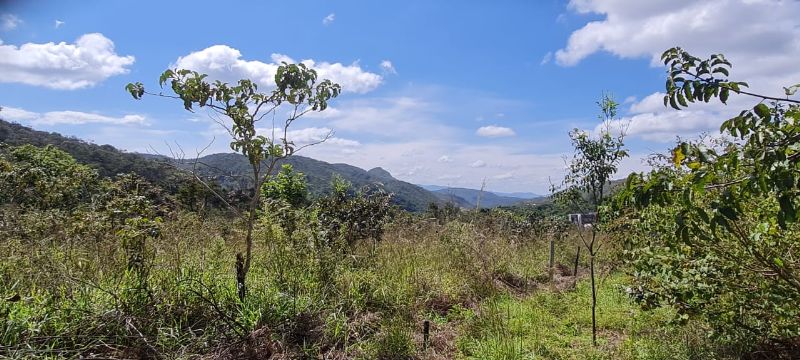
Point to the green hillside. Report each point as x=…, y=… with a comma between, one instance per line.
x=229, y=170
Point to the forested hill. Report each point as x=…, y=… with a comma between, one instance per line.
x=108, y=160
x=225, y=168
x=229, y=168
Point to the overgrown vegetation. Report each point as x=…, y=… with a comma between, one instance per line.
x=699, y=256
x=713, y=232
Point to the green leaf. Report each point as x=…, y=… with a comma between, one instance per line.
x=687, y=91
x=673, y=104
x=723, y=95
x=762, y=110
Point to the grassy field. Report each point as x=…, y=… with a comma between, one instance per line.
x=485, y=289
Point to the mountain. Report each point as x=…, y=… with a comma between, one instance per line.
x=432, y=187
x=227, y=169
x=468, y=197
x=488, y=199
x=108, y=160
x=520, y=195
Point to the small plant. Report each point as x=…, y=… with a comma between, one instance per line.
x=296, y=87
x=594, y=162
x=395, y=342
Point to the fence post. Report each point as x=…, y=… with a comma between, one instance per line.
x=240, y=286
x=426, y=334
x=552, y=255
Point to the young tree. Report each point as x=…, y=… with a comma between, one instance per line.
x=725, y=214
x=595, y=160
x=296, y=90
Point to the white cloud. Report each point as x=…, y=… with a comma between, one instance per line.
x=58, y=23
x=89, y=61
x=306, y=136
x=504, y=176
x=9, y=22
x=546, y=58
x=329, y=19
x=760, y=37
x=444, y=159
x=317, y=134
x=495, y=131
x=649, y=119
x=68, y=117
x=395, y=118
x=478, y=164
x=387, y=67
x=225, y=63
x=448, y=177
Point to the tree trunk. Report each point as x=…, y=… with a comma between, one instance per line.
x=577, y=257
x=594, y=300
x=594, y=288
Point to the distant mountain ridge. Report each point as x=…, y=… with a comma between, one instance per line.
x=228, y=168
x=465, y=197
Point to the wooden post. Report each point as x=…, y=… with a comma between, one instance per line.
x=552, y=255
x=240, y=274
x=426, y=334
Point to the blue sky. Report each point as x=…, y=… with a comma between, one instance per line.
x=445, y=92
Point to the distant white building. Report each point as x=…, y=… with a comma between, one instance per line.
x=582, y=219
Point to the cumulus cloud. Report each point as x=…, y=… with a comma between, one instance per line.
x=87, y=62
x=650, y=120
x=225, y=63
x=399, y=117
x=760, y=37
x=9, y=22
x=67, y=117
x=317, y=134
x=444, y=159
x=478, y=164
x=495, y=131
x=310, y=135
x=329, y=19
x=387, y=67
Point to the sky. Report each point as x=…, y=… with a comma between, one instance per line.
x=449, y=92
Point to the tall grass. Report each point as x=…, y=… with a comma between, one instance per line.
x=69, y=290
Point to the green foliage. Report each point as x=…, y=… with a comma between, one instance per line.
x=595, y=160
x=105, y=159
x=296, y=88
x=296, y=85
x=43, y=178
x=714, y=233
x=354, y=216
x=443, y=213
x=288, y=186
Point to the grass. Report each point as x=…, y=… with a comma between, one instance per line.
x=557, y=325
x=68, y=291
